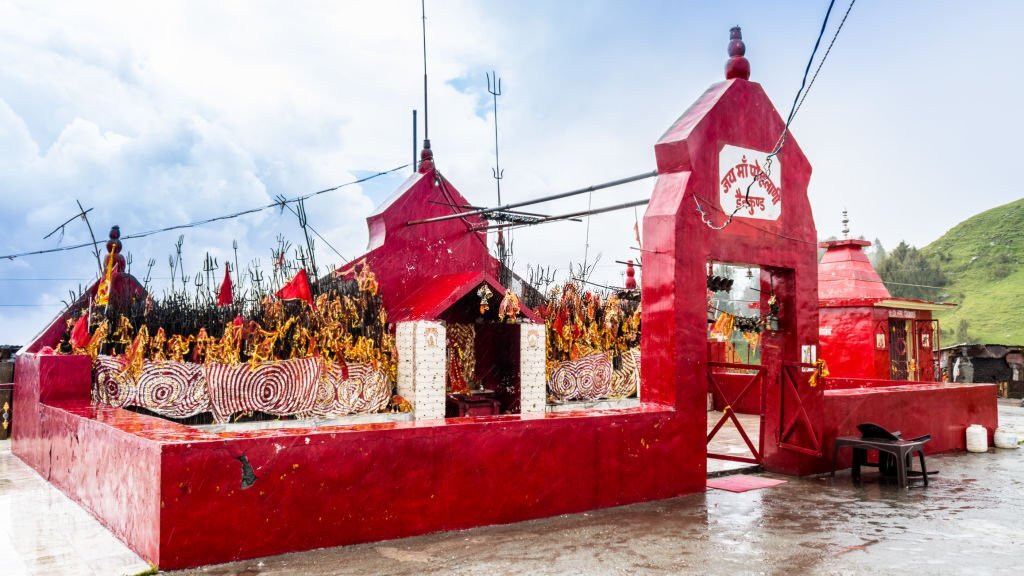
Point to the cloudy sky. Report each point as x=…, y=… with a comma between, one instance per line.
x=156, y=114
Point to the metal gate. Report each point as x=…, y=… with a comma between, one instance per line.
x=899, y=349
x=756, y=376
x=797, y=431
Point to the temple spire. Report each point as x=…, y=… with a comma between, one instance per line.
x=846, y=225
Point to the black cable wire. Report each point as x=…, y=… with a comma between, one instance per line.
x=825, y=57
x=803, y=82
x=798, y=101
x=208, y=220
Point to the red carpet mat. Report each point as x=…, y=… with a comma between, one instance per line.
x=742, y=483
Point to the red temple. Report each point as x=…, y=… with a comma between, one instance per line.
x=864, y=331
x=182, y=496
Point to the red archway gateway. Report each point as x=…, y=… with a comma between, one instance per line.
x=716, y=200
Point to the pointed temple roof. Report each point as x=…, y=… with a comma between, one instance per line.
x=425, y=269
x=845, y=272
x=847, y=278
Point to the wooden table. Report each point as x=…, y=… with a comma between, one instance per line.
x=479, y=403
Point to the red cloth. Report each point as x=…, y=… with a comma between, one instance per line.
x=742, y=482
x=297, y=289
x=225, y=297
x=80, y=332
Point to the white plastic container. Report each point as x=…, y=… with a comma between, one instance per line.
x=1004, y=438
x=977, y=438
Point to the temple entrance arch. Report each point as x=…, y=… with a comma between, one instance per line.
x=717, y=199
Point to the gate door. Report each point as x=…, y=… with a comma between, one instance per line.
x=755, y=381
x=798, y=432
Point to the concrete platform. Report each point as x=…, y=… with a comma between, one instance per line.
x=965, y=522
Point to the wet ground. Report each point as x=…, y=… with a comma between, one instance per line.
x=970, y=520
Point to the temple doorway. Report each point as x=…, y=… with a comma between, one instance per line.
x=737, y=316
x=901, y=351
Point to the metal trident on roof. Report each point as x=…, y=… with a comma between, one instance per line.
x=494, y=89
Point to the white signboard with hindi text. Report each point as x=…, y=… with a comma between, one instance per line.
x=738, y=168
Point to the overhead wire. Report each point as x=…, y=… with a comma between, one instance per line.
x=317, y=234
x=205, y=221
x=798, y=101
x=803, y=82
x=824, y=57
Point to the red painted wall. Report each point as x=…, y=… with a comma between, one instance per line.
x=729, y=388
x=847, y=336
x=849, y=350
x=173, y=493
x=914, y=409
x=317, y=488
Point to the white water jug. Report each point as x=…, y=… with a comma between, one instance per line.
x=977, y=438
x=1004, y=438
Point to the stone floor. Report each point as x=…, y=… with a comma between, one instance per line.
x=728, y=441
x=43, y=532
x=966, y=522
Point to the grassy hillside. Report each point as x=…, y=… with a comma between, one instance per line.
x=983, y=257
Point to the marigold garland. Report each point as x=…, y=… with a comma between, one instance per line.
x=583, y=325
x=349, y=325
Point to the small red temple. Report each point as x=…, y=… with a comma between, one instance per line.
x=864, y=332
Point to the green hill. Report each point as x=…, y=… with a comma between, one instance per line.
x=983, y=258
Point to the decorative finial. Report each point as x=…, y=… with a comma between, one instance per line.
x=737, y=66
x=630, y=276
x=114, y=242
x=426, y=158
x=846, y=225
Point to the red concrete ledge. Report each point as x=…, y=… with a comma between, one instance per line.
x=178, y=496
x=943, y=410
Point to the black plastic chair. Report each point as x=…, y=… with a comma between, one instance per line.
x=894, y=453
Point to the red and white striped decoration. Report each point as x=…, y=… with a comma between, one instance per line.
x=171, y=389
x=281, y=388
x=306, y=387
x=350, y=389
x=626, y=380
x=592, y=377
x=588, y=378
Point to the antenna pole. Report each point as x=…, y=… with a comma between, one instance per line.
x=426, y=112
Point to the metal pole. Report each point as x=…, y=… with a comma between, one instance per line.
x=426, y=111
x=517, y=212
x=95, y=245
x=564, y=216
x=415, y=143
x=506, y=207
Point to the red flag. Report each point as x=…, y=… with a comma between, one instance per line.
x=297, y=289
x=225, y=297
x=80, y=332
